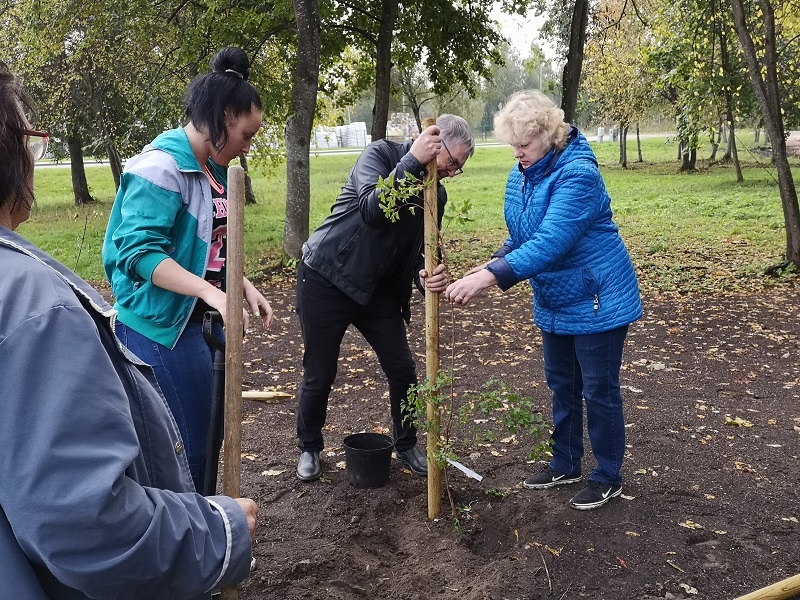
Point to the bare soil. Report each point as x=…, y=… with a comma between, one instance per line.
x=710, y=503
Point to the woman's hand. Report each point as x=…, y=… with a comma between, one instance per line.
x=474, y=283
x=250, y=509
x=258, y=305
x=437, y=282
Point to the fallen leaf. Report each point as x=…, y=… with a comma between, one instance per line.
x=687, y=588
x=633, y=534
x=273, y=472
x=553, y=551
x=792, y=519
x=738, y=421
x=675, y=566
x=690, y=524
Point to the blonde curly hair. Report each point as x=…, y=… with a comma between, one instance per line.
x=529, y=114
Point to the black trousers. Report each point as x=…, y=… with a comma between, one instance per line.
x=325, y=313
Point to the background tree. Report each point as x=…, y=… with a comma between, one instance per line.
x=574, y=63
x=299, y=124
x=755, y=25
x=618, y=79
x=701, y=74
x=413, y=85
x=86, y=69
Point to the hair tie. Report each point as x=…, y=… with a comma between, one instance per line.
x=239, y=75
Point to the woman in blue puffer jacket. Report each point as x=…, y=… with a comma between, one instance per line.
x=585, y=294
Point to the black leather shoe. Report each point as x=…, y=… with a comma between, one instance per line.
x=414, y=460
x=308, y=467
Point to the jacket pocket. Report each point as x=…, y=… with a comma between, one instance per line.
x=558, y=289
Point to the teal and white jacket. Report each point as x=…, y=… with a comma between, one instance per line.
x=163, y=209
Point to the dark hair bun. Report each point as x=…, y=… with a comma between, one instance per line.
x=233, y=61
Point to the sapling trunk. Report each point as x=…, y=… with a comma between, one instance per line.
x=234, y=334
x=431, y=236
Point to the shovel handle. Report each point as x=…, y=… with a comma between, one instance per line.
x=210, y=318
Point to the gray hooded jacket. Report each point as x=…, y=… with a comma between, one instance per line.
x=96, y=500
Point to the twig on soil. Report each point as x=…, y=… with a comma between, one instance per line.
x=350, y=586
x=565, y=591
x=547, y=572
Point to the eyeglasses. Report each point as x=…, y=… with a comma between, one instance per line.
x=37, y=142
x=452, y=165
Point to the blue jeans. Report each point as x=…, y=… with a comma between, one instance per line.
x=325, y=313
x=579, y=367
x=185, y=376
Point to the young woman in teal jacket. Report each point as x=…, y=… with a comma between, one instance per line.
x=585, y=294
x=164, y=249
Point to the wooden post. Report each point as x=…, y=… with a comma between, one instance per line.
x=234, y=341
x=788, y=588
x=431, y=237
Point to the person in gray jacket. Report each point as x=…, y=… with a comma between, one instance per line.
x=357, y=269
x=96, y=497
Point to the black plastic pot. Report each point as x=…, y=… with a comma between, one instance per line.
x=369, y=458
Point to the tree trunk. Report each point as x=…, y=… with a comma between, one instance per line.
x=249, y=194
x=80, y=187
x=115, y=160
x=715, y=142
x=383, y=70
x=689, y=159
x=415, y=108
x=731, y=151
x=764, y=78
x=299, y=125
x=623, y=146
x=572, y=68
x=734, y=154
x=639, y=143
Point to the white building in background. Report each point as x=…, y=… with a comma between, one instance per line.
x=353, y=135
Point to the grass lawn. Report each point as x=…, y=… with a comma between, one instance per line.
x=685, y=231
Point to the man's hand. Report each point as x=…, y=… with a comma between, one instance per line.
x=437, y=282
x=428, y=145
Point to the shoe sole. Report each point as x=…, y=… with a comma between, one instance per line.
x=597, y=504
x=311, y=478
x=405, y=465
x=544, y=486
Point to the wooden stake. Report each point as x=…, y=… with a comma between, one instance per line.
x=788, y=588
x=265, y=396
x=234, y=341
x=431, y=237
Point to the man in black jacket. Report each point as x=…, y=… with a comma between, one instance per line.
x=358, y=268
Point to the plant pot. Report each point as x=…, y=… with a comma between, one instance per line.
x=369, y=458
